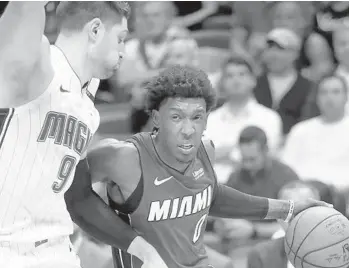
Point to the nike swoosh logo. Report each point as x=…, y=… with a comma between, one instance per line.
x=63, y=90
x=157, y=182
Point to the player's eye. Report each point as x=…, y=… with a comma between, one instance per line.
x=121, y=40
x=198, y=117
x=175, y=117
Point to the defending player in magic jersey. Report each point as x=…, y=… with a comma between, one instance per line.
x=163, y=184
x=47, y=120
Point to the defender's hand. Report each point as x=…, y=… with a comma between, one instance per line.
x=146, y=253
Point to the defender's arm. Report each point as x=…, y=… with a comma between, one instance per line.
x=90, y=212
x=21, y=30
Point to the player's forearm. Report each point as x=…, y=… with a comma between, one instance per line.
x=92, y=214
x=101, y=222
x=230, y=203
x=21, y=28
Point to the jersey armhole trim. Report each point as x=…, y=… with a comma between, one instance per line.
x=5, y=120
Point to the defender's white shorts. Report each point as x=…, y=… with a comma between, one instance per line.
x=54, y=253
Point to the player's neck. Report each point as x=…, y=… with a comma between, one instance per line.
x=167, y=158
x=76, y=55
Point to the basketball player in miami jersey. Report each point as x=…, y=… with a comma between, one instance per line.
x=162, y=183
x=47, y=119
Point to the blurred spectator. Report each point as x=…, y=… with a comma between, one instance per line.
x=250, y=25
x=259, y=174
x=182, y=51
x=191, y=14
x=253, y=20
x=240, y=110
x=295, y=16
x=341, y=48
x=282, y=87
x=271, y=254
x=145, y=53
x=318, y=148
x=328, y=19
x=319, y=45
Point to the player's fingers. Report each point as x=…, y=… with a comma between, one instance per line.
x=321, y=203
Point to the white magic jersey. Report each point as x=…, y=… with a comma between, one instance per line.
x=40, y=145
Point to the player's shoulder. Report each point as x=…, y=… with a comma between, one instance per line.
x=114, y=150
x=115, y=160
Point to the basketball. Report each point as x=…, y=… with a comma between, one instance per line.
x=318, y=237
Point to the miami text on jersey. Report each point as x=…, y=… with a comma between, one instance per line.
x=179, y=207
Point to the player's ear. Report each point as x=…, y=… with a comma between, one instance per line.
x=155, y=115
x=95, y=29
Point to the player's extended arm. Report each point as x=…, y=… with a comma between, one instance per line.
x=230, y=203
x=21, y=30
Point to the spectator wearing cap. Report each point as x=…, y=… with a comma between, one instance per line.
x=318, y=148
x=281, y=87
x=239, y=111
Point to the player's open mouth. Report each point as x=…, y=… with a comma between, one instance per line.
x=186, y=148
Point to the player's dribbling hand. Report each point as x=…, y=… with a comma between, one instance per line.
x=301, y=205
x=146, y=253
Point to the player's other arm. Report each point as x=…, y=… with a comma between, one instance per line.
x=95, y=217
x=230, y=203
x=21, y=30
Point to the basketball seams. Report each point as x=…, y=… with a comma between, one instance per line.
x=300, y=245
x=322, y=249
x=294, y=228
x=304, y=261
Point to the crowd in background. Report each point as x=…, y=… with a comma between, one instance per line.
x=281, y=74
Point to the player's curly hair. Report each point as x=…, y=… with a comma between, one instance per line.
x=179, y=82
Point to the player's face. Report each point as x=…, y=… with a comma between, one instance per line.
x=253, y=157
x=181, y=124
x=238, y=81
x=332, y=97
x=110, y=50
x=341, y=46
